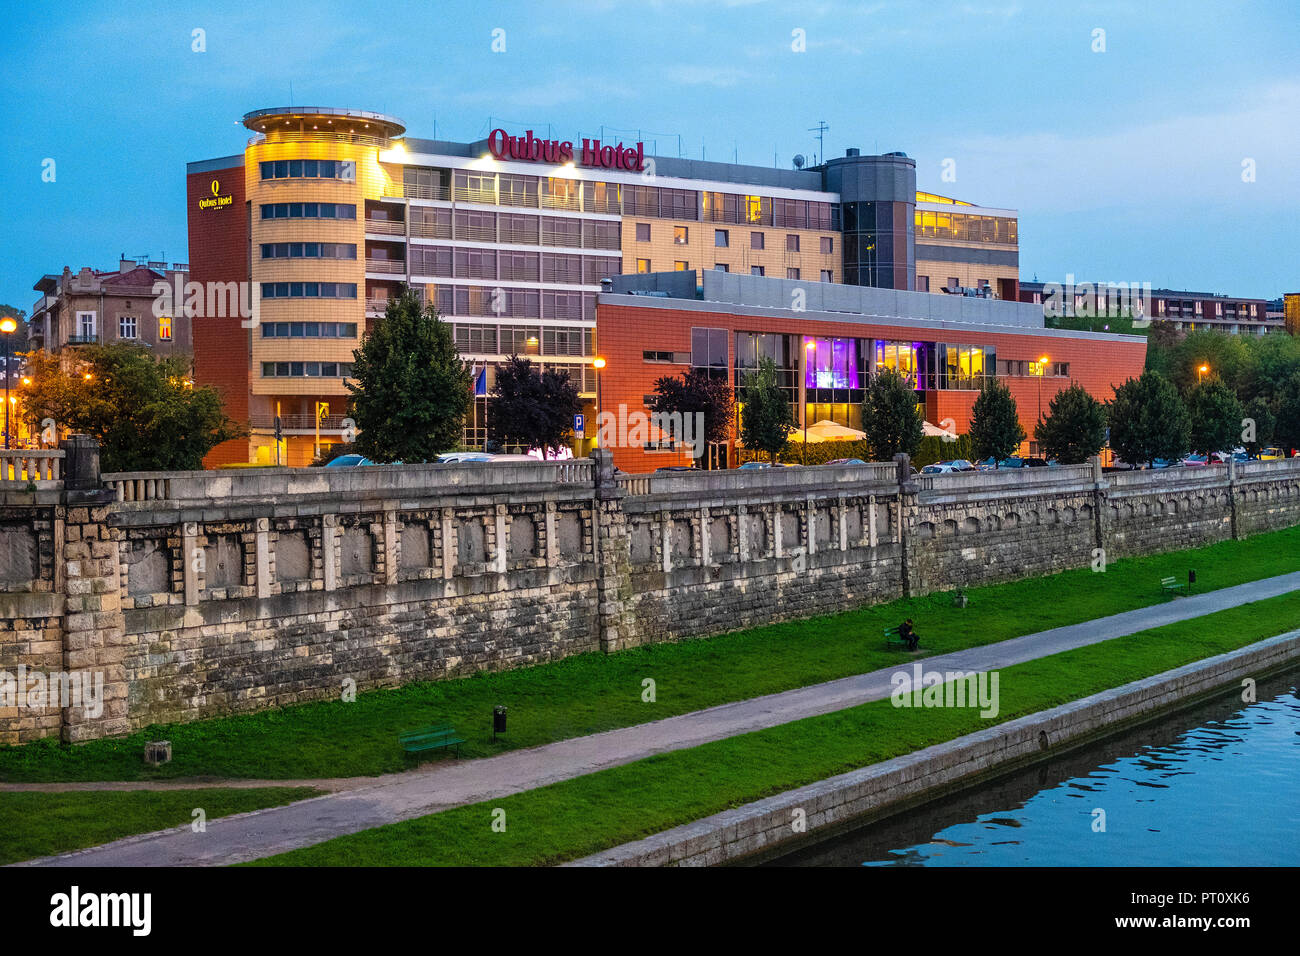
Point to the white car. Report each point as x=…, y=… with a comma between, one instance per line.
x=941, y=468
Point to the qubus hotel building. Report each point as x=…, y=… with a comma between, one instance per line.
x=518, y=240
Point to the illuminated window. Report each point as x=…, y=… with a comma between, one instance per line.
x=681, y=235
x=164, y=328
x=643, y=265
x=681, y=265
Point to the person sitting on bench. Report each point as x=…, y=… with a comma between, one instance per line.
x=908, y=634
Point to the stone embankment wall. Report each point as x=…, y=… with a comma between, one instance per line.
x=202, y=593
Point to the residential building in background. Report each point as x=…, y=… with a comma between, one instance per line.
x=1185, y=310
x=827, y=352
x=92, y=307
x=327, y=212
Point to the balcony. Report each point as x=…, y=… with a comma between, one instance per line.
x=396, y=267
x=385, y=227
x=298, y=423
x=82, y=340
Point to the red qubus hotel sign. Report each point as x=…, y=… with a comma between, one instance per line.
x=529, y=148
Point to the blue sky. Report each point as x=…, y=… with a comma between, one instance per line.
x=1124, y=164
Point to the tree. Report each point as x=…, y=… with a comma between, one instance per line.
x=19, y=334
x=1148, y=420
x=532, y=410
x=1287, y=430
x=890, y=417
x=1075, y=427
x=1259, y=422
x=411, y=390
x=697, y=393
x=1217, y=417
x=995, y=428
x=145, y=412
x=766, y=418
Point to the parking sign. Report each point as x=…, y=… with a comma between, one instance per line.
x=579, y=422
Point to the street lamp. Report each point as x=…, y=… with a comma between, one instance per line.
x=598, y=363
x=8, y=326
x=1201, y=373
x=1042, y=370
x=810, y=349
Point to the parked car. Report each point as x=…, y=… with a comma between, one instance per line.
x=988, y=464
x=1035, y=462
x=461, y=457
x=752, y=464
x=1196, y=461
x=1272, y=453
x=348, y=461
x=959, y=464
x=847, y=461
x=1164, y=463
x=939, y=468
x=676, y=468
x=1015, y=461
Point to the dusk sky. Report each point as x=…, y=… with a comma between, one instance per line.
x=1125, y=165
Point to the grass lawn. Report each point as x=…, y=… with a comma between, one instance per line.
x=41, y=824
x=595, y=692
x=571, y=819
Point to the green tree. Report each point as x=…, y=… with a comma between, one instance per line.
x=411, y=390
x=890, y=416
x=1148, y=420
x=1075, y=427
x=696, y=392
x=1217, y=417
x=531, y=409
x=1262, y=422
x=145, y=412
x=766, y=418
x=1287, y=430
x=995, y=428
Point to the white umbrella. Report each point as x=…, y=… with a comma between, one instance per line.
x=825, y=430
x=934, y=431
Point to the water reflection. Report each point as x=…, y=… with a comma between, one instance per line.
x=1211, y=786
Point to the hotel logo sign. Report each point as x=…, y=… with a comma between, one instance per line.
x=594, y=154
x=217, y=201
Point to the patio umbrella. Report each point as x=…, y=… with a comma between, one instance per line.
x=825, y=430
x=934, y=431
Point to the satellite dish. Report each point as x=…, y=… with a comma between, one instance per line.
x=798, y=160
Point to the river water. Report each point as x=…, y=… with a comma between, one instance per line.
x=1215, y=785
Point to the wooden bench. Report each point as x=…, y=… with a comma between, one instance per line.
x=433, y=737
x=1172, y=585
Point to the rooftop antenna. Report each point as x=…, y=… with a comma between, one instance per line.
x=820, y=129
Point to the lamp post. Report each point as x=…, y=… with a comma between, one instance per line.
x=1042, y=370
x=598, y=363
x=1200, y=373
x=809, y=352
x=7, y=326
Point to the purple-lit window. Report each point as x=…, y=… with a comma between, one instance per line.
x=831, y=363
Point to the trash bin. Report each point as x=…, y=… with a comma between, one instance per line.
x=498, y=720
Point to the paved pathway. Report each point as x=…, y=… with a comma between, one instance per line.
x=385, y=800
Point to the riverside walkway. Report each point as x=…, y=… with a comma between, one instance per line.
x=363, y=803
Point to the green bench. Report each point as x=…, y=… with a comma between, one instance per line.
x=433, y=737
x=893, y=639
x=1172, y=585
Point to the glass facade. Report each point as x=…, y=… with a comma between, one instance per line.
x=878, y=242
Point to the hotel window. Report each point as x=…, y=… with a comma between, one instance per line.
x=681, y=235
x=792, y=273
x=721, y=267
x=126, y=327
x=828, y=275
x=756, y=270
x=643, y=232
x=657, y=356
x=306, y=369
x=309, y=290
x=309, y=250
x=828, y=245
x=721, y=238
x=308, y=210
x=308, y=330
x=643, y=265
x=345, y=170
x=86, y=325
x=756, y=240
x=681, y=265
x=709, y=350
x=953, y=283
x=792, y=242
x=164, y=328
x=922, y=283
